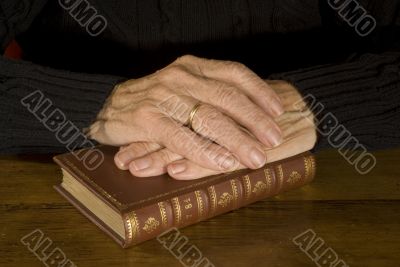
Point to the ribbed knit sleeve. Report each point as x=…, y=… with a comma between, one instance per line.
x=364, y=96
x=78, y=96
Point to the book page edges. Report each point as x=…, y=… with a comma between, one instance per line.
x=92, y=217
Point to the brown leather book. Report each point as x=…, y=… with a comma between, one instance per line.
x=132, y=210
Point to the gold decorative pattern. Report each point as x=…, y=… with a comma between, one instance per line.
x=225, y=200
x=163, y=214
x=213, y=197
x=294, y=177
x=129, y=235
x=309, y=166
x=259, y=188
x=199, y=203
x=247, y=187
x=280, y=175
x=150, y=225
x=313, y=168
x=177, y=210
x=77, y=172
x=235, y=192
x=268, y=179
x=132, y=226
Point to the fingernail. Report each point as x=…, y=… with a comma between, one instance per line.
x=123, y=159
x=258, y=158
x=277, y=108
x=141, y=164
x=228, y=163
x=178, y=168
x=275, y=137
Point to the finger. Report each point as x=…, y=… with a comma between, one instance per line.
x=226, y=97
x=153, y=164
x=232, y=72
x=185, y=142
x=238, y=106
x=299, y=135
x=214, y=125
x=209, y=122
x=186, y=170
x=135, y=150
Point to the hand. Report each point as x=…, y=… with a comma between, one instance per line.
x=299, y=135
x=153, y=109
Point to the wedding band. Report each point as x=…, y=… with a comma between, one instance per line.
x=192, y=114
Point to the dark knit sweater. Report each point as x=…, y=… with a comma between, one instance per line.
x=305, y=42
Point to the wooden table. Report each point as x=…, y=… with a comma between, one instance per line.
x=356, y=216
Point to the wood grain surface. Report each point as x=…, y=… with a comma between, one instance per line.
x=358, y=216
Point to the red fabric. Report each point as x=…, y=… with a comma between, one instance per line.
x=13, y=51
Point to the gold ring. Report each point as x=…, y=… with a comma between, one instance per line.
x=192, y=114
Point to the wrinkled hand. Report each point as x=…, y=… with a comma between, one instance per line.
x=299, y=135
x=150, y=113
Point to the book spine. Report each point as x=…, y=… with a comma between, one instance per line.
x=148, y=222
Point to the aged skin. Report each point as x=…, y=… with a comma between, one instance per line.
x=297, y=125
x=231, y=95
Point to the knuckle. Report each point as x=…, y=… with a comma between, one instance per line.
x=236, y=67
x=144, y=146
x=110, y=113
x=258, y=118
x=120, y=99
x=208, y=119
x=121, y=88
x=185, y=58
x=232, y=138
x=165, y=156
x=172, y=72
x=228, y=95
x=175, y=135
x=214, y=153
x=234, y=143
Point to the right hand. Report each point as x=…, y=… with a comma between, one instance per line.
x=153, y=109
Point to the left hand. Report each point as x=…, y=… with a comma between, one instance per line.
x=299, y=135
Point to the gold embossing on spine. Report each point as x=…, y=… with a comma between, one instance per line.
x=247, y=187
x=259, y=189
x=294, y=177
x=225, y=200
x=306, y=168
x=132, y=227
x=200, y=205
x=163, y=214
x=177, y=210
x=280, y=175
x=268, y=179
x=309, y=167
x=313, y=169
x=235, y=192
x=150, y=225
x=213, y=197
